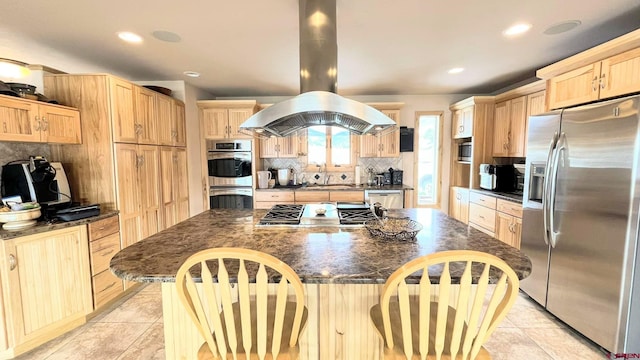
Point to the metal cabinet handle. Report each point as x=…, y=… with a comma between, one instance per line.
x=603, y=81
x=4, y=126
x=594, y=87
x=13, y=263
x=108, y=252
x=37, y=126
x=481, y=217
x=460, y=129
x=46, y=124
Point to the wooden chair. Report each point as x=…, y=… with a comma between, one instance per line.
x=259, y=326
x=417, y=327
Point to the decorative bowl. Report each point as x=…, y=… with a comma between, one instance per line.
x=21, y=219
x=391, y=228
x=321, y=211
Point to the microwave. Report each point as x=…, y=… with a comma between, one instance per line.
x=464, y=151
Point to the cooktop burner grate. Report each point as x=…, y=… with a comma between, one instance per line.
x=283, y=214
x=355, y=216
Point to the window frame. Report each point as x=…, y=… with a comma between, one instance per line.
x=416, y=153
x=330, y=167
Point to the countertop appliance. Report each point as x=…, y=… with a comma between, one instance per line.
x=465, y=151
x=230, y=174
x=580, y=222
x=501, y=178
x=41, y=181
x=390, y=199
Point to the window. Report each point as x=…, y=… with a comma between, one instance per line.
x=331, y=146
x=428, y=158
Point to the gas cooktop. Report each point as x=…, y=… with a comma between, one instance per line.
x=307, y=215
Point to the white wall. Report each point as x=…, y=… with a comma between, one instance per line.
x=412, y=104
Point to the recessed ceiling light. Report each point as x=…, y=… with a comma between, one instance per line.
x=456, y=70
x=130, y=37
x=167, y=36
x=517, y=29
x=562, y=27
x=192, y=73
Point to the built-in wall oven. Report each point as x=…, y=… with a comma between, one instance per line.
x=230, y=174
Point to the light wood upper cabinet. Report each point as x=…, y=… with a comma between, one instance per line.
x=123, y=113
x=171, y=121
x=535, y=103
x=509, y=128
x=387, y=145
x=279, y=147
x=146, y=117
x=613, y=76
x=463, y=123
x=221, y=119
x=30, y=121
x=46, y=286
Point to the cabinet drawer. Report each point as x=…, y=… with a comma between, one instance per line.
x=103, y=228
x=509, y=207
x=106, y=286
x=312, y=196
x=478, y=227
x=102, y=251
x=274, y=196
x=484, y=200
x=346, y=196
x=482, y=216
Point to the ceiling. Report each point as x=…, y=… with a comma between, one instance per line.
x=250, y=47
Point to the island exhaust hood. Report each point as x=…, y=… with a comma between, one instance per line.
x=318, y=103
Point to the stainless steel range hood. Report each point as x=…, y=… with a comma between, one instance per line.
x=317, y=104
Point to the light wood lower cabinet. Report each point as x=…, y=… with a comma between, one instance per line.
x=175, y=190
x=459, y=204
x=482, y=213
x=346, y=196
x=104, y=242
x=509, y=222
x=266, y=199
x=46, y=287
x=304, y=197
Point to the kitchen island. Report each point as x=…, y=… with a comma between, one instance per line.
x=342, y=268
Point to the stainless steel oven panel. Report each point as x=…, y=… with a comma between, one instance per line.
x=231, y=198
x=229, y=174
x=230, y=191
x=229, y=145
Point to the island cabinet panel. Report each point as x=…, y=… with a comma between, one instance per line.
x=266, y=199
x=346, y=196
x=46, y=286
x=303, y=197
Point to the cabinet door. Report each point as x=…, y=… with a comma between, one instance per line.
x=517, y=232
x=149, y=177
x=288, y=147
x=181, y=184
x=390, y=144
x=166, y=120
x=269, y=148
x=236, y=118
x=517, y=127
x=49, y=283
x=168, y=195
x=503, y=227
x=456, y=123
x=18, y=120
x=501, y=128
x=127, y=163
x=215, y=123
x=464, y=205
x=535, y=106
x=60, y=125
x=575, y=87
x=369, y=146
x=620, y=74
x=466, y=121
x=146, y=116
x=123, y=112
x=180, y=138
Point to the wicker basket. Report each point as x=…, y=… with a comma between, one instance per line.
x=392, y=228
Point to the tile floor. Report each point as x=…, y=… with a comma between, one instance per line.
x=132, y=329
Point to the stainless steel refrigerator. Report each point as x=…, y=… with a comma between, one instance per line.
x=580, y=223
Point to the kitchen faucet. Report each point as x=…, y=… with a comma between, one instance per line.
x=325, y=176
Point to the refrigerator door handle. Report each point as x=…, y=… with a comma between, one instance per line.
x=545, y=187
x=561, y=148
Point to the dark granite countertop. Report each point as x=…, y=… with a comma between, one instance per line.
x=317, y=254
x=42, y=226
x=337, y=187
x=501, y=195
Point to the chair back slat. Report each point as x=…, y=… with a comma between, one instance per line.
x=222, y=314
x=461, y=324
x=476, y=311
x=461, y=316
x=405, y=317
x=425, y=312
x=227, y=310
x=198, y=313
x=443, y=309
x=244, y=300
x=261, y=310
x=278, y=320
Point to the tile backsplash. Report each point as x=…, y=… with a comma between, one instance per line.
x=347, y=177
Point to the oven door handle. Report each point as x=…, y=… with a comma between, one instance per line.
x=224, y=191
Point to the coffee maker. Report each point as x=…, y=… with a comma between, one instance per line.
x=36, y=180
